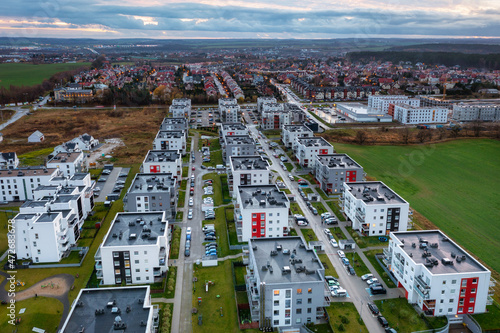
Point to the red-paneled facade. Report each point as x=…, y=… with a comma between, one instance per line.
x=350, y=176
x=468, y=292
x=154, y=168
x=258, y=225
x=323, y=151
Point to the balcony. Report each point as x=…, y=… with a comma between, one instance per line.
x=62, y=240
x=162, y=256
x=156, y=271
x=421, y=287
x=97, y=255
x=62, y=232
x=99, y=274
x=430, y=304
x=98, y=266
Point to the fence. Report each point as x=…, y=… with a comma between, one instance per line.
x=386, y=270
x=85, y=251
x=472, y=324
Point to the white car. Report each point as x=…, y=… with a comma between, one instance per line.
x=190, y=217
x=325, y=215
x=191, y=202
x=334, y=243
x=290, y=176
x=366, y=277
x=371, y=281
x=327, y=231
x=341, y=253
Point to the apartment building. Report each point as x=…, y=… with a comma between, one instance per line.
x=95, y=310
x=378, y=104
x=476, y=111
x=407, y=114
x=229, y=110
x=437, y=274
x=374, y=209
x=152, y=192
x=8, y=161
x=248, y=170
x=274, y=116
x=334, y=169
x=238, y=145
x=69, y=163
x=175, y=124
x=290, y=133
x=261, y=211
x=180, y=108
x=170, y=140
x=309, y=148
x=135, y=250
x=229, y=129
x=285, y=283
x=163, y=161
x=19, y=184
x=264, y=100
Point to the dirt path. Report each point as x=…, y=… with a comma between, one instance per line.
x=108, y=147
x=54, y=286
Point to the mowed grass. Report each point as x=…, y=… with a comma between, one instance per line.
x=453, y=184
x=29, y=74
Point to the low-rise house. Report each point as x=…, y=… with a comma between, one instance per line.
x=36, y=136
x=8, y=161
x=19, y=184
x=135, y=250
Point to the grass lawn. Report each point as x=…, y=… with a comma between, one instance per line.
x=239, y=274
x=307, y=190
x=295, y=208
x=185, y=172
x=41, y=312
x=292, y=232
x=329, y=269
x=210, y=305
x=491, y=319
x=216, y=184
x=403, y=317
x=322, y=193
x=183, y=184
x=309, y=235
x=309, y=178
x=289, y=166
x=336, y=209
x=18, y=74
x=215, y=158
x=320, y=328
x=167, y=309
x=337, y=232
x=358, y=264
x=345, y=314
x=364, y=241
x=370, y=255
x=181, y=199
x=272, y=134
x=176, y=242
x=438, y=181
x=4, y=217
x=287, y=191
x=221, y=229
x=36, y=157
x=171, y=278
x=179, y=215
x=319, y=207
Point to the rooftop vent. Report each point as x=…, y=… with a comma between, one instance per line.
x=446, y=261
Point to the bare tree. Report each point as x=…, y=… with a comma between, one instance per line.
x=454, y=131
x=422, y=135
x=476, y=127
x=361, y=137
x=441, y=133
x=404, y=134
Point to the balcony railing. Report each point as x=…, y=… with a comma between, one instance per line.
x=421, y=287
x=97, y=255
x=98, y=267
x=99, y=274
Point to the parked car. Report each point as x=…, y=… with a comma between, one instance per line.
x=191, y=191
x=302, y=182
x=190, y=214
x=383, y=321
x=203, y=167
x=366, y=277
x=327, y=231
x=330, y=221
x=376, y=290
x=334, y=243
x=390, y=330
x=345, y=261
x=188, y=231
x=325, y=215
x=191, y=202
x=373, y=308
x=351, y=270
x=341, y=253
x=187, y=252
x=290, y=176
x=371, y=281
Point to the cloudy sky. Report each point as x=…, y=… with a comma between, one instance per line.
x=249, y=18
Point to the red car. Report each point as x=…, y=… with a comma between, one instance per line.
x=193, y=168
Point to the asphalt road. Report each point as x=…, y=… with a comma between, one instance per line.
x=107, y=187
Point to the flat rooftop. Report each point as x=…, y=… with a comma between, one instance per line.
x=260, y=249
x=79, y=176
x=233, y=127
x=169, y=134
x=255, y=162
x=129, y=229
x=152, y=182
x=47, y=217
x=28, y=172
x=180, y=101
x=337, y=161
x=262, y=196
x=34, y=203
x=24, y=216
x=439, y=246
x=374, y=193
x=65, y=157
x=228, y=101
x=239, y=140
x=297, y=128
x=83, y=315
x=173, y=123
x=162, y=156
x=314, y=142
x=65, y=198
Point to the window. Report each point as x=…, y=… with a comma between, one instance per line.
x=136, y=253
x=288, y=303
x=441, y=301
x=472, y=300
x=39, y=252
x=309, y=290
x=473, y=291
x=276, y=293
x=309, y=310
x=288, y=293
x=116, y=263
x=136, y=261
x=137, y=270
x=444, y=281
x=309, y=301
x=276, y=303
x=460, y=310
x=138, y=278
x=299, y=300
x=287, y=321
x=287, y=313
x=474, y=281
x=276, y=322
x=451, y=300
x=453, y=281
x=299, y=291
x=470, y=309
x=36, y=236
x=298, y=311
x=117, y=272
x=298, y=320
x=442, y=292
x=450, y=310
x=464, y=283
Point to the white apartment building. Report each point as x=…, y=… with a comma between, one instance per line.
x=180, y=108
x=309, y=148
x=95, y=310
x=163, y=161
x=380, y=104
x=248, y=170
x=69, y=163
x=476, y=111
x=135, y=249
x=261, y=211
x=175, y=124
x=291, y=132
x=170, y=140
x=374, y=209
x=228, y=129
x=333, y=170
x=437, y=274
x=229, y=110
x=407, y=114
x=274, y=116
x=264, y=100
x=238, y=145
x=19, y=184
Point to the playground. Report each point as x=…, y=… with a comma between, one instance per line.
x=55, y=286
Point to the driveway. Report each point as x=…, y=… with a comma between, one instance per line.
x=107, y=187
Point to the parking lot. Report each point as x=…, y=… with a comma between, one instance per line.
x=204, y=116
x=115, y=178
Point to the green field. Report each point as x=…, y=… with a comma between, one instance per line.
x=29, y=74
x=453, y=184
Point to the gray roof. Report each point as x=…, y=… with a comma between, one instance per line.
x=162, y=156
x=297, y=128
x=262, y=196
x=83, y=316
x=47, y=217
x=374, y=193
x=239, y=139
x=66, y=198
x=79, y=176
x=446, y=248
x=337, y=161
x=151, y=224
x=169, y=134
x=233, y=127
x=34, y=203
x=22, y=216
x=260, y=249
x=153, y=182
x=249, y=162
x=314, y=141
